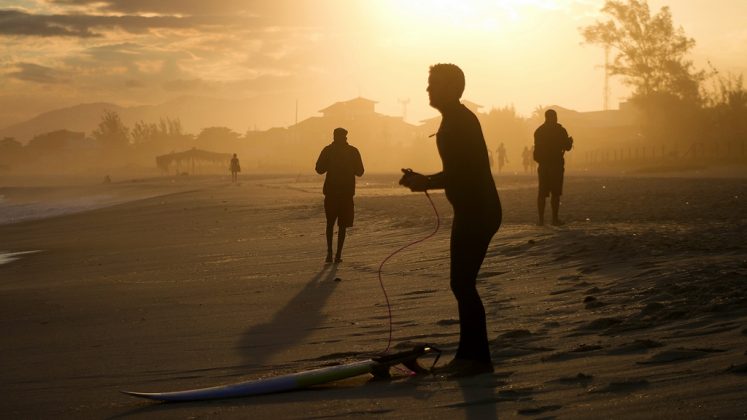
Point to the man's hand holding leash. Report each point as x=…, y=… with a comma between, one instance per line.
x=416, y=182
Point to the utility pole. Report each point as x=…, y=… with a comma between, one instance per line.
x=606, y=88
x=606, y=77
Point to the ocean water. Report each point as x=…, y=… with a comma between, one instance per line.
x=24, y=199
x=14, y=211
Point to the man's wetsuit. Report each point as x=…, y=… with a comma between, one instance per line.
x=471, y=191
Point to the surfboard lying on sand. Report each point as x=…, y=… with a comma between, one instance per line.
x=378, y=366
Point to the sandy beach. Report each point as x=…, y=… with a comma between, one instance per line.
x=637, y=308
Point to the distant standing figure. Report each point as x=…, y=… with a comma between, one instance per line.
x=526, y=159
x=235, y=168
x=342, y=163
x=502, y=157
x=551, y=141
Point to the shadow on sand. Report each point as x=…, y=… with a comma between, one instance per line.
x=293, y=323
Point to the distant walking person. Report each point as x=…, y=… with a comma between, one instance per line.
x=235, y=168
x=470, y=189
x=342, y=163
x=502, y=157
x=551, y=141
x=526, y=159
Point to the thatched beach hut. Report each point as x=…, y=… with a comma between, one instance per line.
x=192, y=160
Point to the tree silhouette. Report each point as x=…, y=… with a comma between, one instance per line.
x=650, y=51
x=166, y=130
x=217, y=138
x=505, y=125
x=143, y=132
x=111, y=132
x=10, y=144
x=727, y=109
x=55, y=141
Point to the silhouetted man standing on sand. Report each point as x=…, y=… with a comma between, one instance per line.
x=342, y=163
x=471, y=191
x=551, y=141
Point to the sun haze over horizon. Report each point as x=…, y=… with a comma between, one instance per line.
x=525, y=53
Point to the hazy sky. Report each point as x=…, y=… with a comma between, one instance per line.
x=522, y=52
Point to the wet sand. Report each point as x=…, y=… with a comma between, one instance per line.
x=636, y=308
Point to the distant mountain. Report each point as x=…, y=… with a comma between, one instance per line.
x=194, y=112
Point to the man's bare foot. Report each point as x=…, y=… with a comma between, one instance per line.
x=558, y=222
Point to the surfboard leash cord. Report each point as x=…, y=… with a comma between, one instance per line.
x=381, y=266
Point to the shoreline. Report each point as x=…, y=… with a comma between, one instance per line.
x=38, y=198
